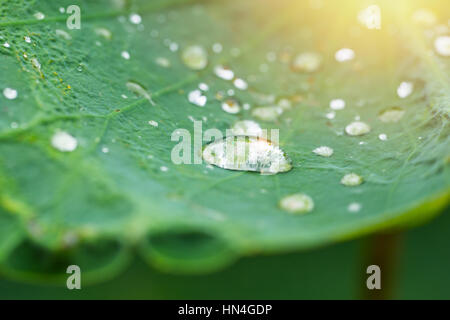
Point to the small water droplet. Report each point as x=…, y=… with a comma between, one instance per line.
x=64, y=142
x=307, y=62
x=27, y=39
x=135, y=18
x=382, y=137
x=173, y=47
x=442, y=45
x=139, y=90
x=231, y=106
x=224, y=72
x=162, y=62
x=39, y=16
x=195, y=57
x=103, y=32
x=247, y=153
x=35, y=63
x=405, y=89
x=240, y=84
x=337, y=104
x=203, y=86
x=125, y=55
x=330, y=115
x=344, y=54
x=217, y=48
x=357, y=128
x=324, y=151
x=6, y=45
x=230, y=92
x=247, y=128
x=105, y=150
x=10, y=94
x=424, y=17
x=164, y=169
x=267, y=113
x=63, y=34
x=370, y=17
x=62, y=10
x=354, y=207
x=298, y=203
x=196, y=97
x=393, y=114
x=351, y=180
x=153, y=123
x=14, y=125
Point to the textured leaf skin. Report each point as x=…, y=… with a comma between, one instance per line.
x=190, y=218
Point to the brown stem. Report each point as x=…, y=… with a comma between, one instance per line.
x=382, y=250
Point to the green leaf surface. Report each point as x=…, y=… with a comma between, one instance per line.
x=90, y=206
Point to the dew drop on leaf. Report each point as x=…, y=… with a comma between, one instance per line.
x=405, y=89
x=240, y=84
x=324, y=151
x=393, y=114
x=39, y=16
x=125, y=55
x=298, y=203
x=139, y=90
x=269, y=114
x=337, y=104
x=103, y=32
x=10, y=94
x=344, y=54
x=247, y=153
x=153, y=123
x=351, y=180
x=197, y=98
x=63, y=34
x=35, y=63
x=307, y=62
x=357, y=128
x=247, y=128
x=442, y=45
x=382, y=137
x=231, y=106
x=217, y=47
x=195, y=57
x=64, y=142
x=135, y=18
x=162, y=62
x=223, y=72
x=354, y=207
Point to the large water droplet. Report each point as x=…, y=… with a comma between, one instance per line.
x=247, y=128
x=247, y=153
x=39, y=16
x=307, y=62
x=442, y=45
x=135, y=18
x=64, y=142
x=297, y=203
x=357, y=128
x=125, y=55
x=139, y=90
x=351, y=180
x=393, y=114
x=195, y=57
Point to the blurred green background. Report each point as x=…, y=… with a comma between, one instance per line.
x=334, y=272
